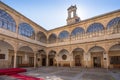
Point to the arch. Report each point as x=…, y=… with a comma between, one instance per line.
x=7, y=22
x=5, y=43
x=95, y=27
x=51, y=57
x=114, y=22
x=114, y=56
x=114, y=47
x=96, y=56
x=26, y=49
x=42, y=52
x=52, y=38
x=43, y=58
x=52, y=52
x=41, y=37
x=78, y=49
x=26, y=30
x=64, y=34
x=96, y=49
x=78, y=56
x=63, y=51
x=6, y=50
x=77, y=30
x=25, y=57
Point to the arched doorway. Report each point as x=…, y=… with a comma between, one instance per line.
x=97, y=59
x=114, y=56
x=25, y=57
x=42, y=58
x=78, y=57
x=64, y=59
x=5, y=51
x=51, y=58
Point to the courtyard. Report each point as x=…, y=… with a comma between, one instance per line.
x=66, y=73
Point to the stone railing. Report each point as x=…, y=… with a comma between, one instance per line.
x=111, y=33
x=91, y=35
x=20, y=37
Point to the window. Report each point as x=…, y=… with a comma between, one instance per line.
x=64, y=57
x=77, y=30
x=115, y=60
x=31, y=60
x=114, y=22
x=42, y=37
x=2, y=56
x=26, y=30
x=95, y=27
x=6, y=21
x=63, y=34
x=52, y=38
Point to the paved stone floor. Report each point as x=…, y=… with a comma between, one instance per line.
x=64, y=73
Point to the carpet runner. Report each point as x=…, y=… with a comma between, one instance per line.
x=24, y=77
x=13, y=72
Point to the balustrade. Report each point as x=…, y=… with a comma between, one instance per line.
x=91, y=35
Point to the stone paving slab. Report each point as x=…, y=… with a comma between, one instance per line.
x=61, y=73
x=89, y=76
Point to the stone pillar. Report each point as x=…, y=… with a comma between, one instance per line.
x=107, y=60
x=36, y=36
x=85, y=59
x=71, y=60
x=69, y=14
x=47, y=60
x=15, y=58
x=89, y=60
x=26, y=58
x=34, y=59
x=56, y=57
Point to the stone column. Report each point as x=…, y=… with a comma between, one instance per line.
x=47, y=60
x=85, y=59
x=107, y=60
x=36, y=36
x=34, y=59
x=71, y=60
x=89, y=60
x=56, y=57
x=15, y=58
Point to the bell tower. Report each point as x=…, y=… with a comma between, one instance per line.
x=72, y=16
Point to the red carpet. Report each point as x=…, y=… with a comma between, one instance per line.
x=23, y=77
x=11, y=71
x=14, y=73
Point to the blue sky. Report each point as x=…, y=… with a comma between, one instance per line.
x=51, y=14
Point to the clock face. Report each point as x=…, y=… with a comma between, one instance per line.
x=64, y=57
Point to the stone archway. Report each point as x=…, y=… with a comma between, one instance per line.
x=25, y=57
x=96, y=57
x=6, y=49
x=64, y=58
x=78, y=57
x=41, y=58
x=51, y=58
x=114, y=56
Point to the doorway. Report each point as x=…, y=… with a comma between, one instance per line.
x=43, y=61
x=97, y=62
x=77, y=60
x=51, y=62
